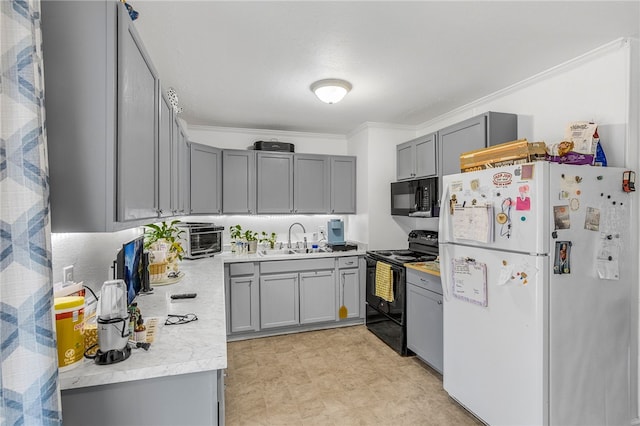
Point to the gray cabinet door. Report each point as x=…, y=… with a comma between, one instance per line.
x=311, y=184
x=183, y=171
x=425, y=155
x=350, y=291
x=461, y=137
x=81, y=80
x=343, y=185
x=244, y=304
x=424, y=325
x=206, y=179
x=405, y=160
x=275, y=182
x=317, y=297
x=164, y=158
x=138, y=106
x=238, y=182
x=279, y=303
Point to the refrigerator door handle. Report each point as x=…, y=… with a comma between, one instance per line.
x=445, y=217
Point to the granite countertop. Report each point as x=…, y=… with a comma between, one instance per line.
x=432, y=267
x=177, y=349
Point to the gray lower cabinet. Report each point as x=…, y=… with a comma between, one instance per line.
x=417, y=158
x=349, y=285
x=279, y=303
x=284, y=293
x=343, y=185
x=205, y=179
x=102, y=108
x=238, y=181
x=274, y=182
x=182, y=399
x=243, y=293
x=317, y=297
x=311, y=184
x=424, y=318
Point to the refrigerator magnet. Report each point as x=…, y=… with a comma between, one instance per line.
x=561, y=217
x=562, y=263
x=523, y=201
x=592, y=219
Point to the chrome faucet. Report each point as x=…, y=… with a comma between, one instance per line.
x=303, y=230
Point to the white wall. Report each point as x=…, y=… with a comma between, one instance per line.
x=592, y=87
x=232, y=138
x=375, y=145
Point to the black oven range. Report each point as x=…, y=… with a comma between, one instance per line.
x=386, y=319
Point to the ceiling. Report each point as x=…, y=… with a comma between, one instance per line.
x=250, y=64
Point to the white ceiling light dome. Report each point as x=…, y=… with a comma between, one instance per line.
x=331, y=90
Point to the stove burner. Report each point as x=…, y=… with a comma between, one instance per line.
x=404, y=253
x=383, y=253
x=405, y=258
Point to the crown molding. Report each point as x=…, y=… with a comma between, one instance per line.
x=266, y=132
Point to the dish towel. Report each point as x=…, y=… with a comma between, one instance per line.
x=384, y=281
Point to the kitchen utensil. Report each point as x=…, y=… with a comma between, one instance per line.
x=113, y=323
x=343, y=312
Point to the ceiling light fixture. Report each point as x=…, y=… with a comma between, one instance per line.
x=331, y=90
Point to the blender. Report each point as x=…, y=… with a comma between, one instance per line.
x=113, y=323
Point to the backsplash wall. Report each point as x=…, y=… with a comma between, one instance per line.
x=92, y=254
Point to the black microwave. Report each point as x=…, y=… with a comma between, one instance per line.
x=415, y=198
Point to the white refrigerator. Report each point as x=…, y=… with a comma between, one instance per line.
x=537, y=276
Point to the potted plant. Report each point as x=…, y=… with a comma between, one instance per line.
x=163, y=241
x=251, y=237
x=235, y=232
x=269, y=239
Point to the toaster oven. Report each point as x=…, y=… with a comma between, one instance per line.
x=200, y=239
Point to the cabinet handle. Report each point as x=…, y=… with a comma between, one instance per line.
x=439, y=302
x=349, y=263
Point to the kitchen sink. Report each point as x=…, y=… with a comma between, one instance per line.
x=287, y=251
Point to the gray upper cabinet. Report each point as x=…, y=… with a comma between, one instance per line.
x=312, y=183
x=182, y=179
x=138, y=105
x=343, y=185
x=238, y=181
x=275, y=182
x=102, y=102
x=417, y=158
x=165, y=158
x=478, y=132
x=205, y=179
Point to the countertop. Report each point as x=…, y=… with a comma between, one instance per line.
x=186, y=348
x=177, y=349
x=432, y=267
x=229, y=257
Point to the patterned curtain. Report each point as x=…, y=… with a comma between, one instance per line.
x=30, y=392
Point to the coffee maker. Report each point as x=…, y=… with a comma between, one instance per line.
x=113, y=323
x=335, y=232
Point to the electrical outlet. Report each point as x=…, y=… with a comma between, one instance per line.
x=67, y=274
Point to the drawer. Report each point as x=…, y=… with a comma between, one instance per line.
x=243, y=268
x=424, y=280
x=348, y=262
